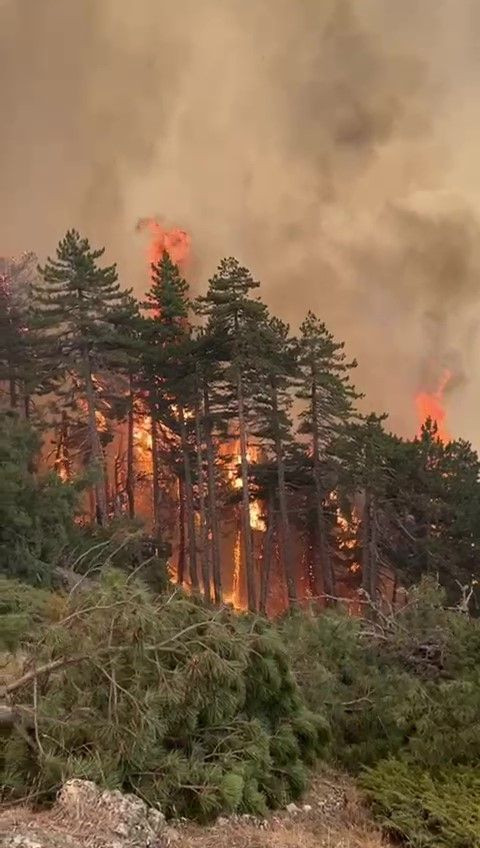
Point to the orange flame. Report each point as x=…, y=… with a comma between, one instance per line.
x=430, y=405
x=175, y=241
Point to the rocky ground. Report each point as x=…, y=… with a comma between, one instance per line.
x=331, y=816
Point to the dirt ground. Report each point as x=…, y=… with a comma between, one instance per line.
x=330, y=816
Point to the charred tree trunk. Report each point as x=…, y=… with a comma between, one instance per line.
x=314, y=566
x=94, y=441
x=12, y=388
x=267, y=555
x=328, y=577
x=130, y=480
x=181, y=543
x=287, y=553
x=155, y=475
x=62, y=455
x=205, y=564
x=395, y=588
x=189, y=503
x=369, y=548
x=212, y=503
x=247, y=530
x=117, y=478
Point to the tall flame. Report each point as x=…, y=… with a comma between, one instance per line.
x=430, y=405
x=175, y=241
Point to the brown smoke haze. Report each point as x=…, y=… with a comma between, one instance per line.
x=331, y=145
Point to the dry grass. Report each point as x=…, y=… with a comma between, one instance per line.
x=336, y=819
x=331, y=816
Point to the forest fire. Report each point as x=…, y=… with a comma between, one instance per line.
x=430, y=406
x=256, y=520
x=175, y=242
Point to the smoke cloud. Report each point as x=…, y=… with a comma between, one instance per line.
x=332, y=146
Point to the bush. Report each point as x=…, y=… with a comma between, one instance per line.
x=439, y=809
x=122, y=544
x=193, y=709
x=343, y=676
x=36, y=511
x=402, y=694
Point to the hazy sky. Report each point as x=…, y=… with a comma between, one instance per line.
x=331, y=145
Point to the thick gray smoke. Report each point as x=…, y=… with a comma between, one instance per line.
x=330, y=145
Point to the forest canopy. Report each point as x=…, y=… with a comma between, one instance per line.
x=237, y=444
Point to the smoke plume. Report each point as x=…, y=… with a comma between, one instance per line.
x=331, y=146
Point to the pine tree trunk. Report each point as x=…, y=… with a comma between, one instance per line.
x=212, y=502
x=288, y=562
x=189, y=503
x=117, y=475
x=395, y=588
x=12, y=386
x=313, y=558
x=62, y=456
x=26, y=406
x=94, y=441
x=181, y=542
x=369, y=548
x=155, y=475
x=130, y=482
x=267, y=556
x=247, y=530
x=366, y=563
x=373, y=551
x=328, y=578
x=205, y=564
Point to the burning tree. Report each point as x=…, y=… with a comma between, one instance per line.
x=234, y=322
x=170, y=376
x=205, y=412
x=77, y=308
x=329, y=404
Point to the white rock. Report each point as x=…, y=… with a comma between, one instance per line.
x=307, y=808
x=292, y=808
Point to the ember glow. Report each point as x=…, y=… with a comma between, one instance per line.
x=431, y=405
x=256, y=520
x=175, y=241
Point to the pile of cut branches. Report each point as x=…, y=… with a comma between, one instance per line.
x=195, y=710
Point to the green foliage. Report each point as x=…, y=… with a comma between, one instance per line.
x=123, y=544
x=343, y=677
x=402, y=695
x=194, y=710
x=36, y=510
x=439, y=809
x=23, y=610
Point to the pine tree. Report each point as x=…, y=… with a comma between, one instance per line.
x=329, y=397
x=20, y=363
x=167, y=335
x=365, y=458
x=76, y=304
x=234, y=319
x=272, y=401
x=125, y=400
x=215, y=410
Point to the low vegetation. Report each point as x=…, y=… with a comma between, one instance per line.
x=194, y=709
x=202, y=710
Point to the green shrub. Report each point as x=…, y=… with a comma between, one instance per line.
x=193, y=709
x=346, y=679
x=438, y=809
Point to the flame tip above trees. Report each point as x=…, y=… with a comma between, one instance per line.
x=430, y=406
x=175, y=241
